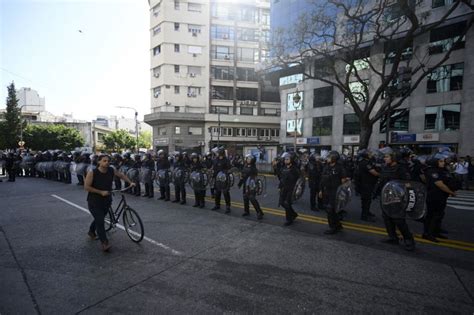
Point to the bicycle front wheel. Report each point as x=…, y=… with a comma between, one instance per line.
x=108, y=220
x=133, y=225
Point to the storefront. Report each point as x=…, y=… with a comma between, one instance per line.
x=420, y=143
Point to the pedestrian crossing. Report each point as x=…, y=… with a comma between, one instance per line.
x=464, y=200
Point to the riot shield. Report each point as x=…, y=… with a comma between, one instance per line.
x=198, y=180
x=146, y=175
x=222, y=181
x=255, y=186
x=343, y=196
x=162, y=177
x=178, y=176
x=298, y=190
x=81, y=168
x=403, y=199
x=133, y=174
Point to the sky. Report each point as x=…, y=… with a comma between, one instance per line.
x=86, y=74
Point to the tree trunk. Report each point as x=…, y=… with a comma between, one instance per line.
x=365, y=133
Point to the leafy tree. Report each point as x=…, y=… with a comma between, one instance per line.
x=11, y=127
x=369, y=50
x=144, y=139
x=54, y=136
x=118, y=141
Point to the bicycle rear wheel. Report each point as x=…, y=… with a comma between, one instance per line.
x=108, y=220
x=133, y=225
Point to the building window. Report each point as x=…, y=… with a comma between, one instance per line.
x=322, y=126
x=358, y=65
x=447, y=37
x=157, y=72
x=222, y=11
x=323, y=96
x=398, y=120
x=251, y=132
x=240, y=132
x=222, y=93
x=265, y=18
x=358, y=91
x=176, y=4
x=290, y=128
x=176, y=48
x=275, y=132
x=176, y=89
x=222, y=32
x=442, y=118
x=194, y=70
x=440, y=3
x=246, y=111
x=176, y=109
x=220, y=109
x=290, y=104
x=195, y=131
x=399, y=86
x=194, y=91
x=194, y=29
x=222, y=52
x=247, y=54
x=246, y=74
x=194, y=7
x=162, y=131
x=394, y=11
x=247, y=34
x=156, y=30
x=271, y=96
x=157, y=50
x=247, y=94
x=351, y=124
x=265, y=36
x=270, y=112
x=294, y=78
x=176, y=68
x=177, y=130
x=176, y=26
x=391, y=48
x=227, y=132
x=157, y=91
x=222, y=73
x=445, y=78
x=247, y=14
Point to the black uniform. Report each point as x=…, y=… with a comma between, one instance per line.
x=365, y=185
x=436, y=200
x=221, y=165
x=149, y=164
x=164, y=164
x=10, y=167
x=288, y=177
x=208, y=163
x=331, y=179
x=180, y=189
x=137, y=189
x=389, y=172
x=314, y=169
x=199, y=195
x=249, y=171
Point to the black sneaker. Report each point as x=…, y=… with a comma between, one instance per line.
x=331, y=231
x=175, y=201
x=288, y=223
x=161, y=198
x=410, y=245
x=215, y=208
x=183, y=202
x=227, y=210
x=195, y=205
x=245, y=214
x=430, y=238
x=260, y=216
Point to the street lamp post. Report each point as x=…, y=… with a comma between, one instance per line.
x=21, y=143
x=219, y=127
x=136, y=123
x=296, y=101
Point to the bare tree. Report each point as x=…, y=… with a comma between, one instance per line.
x=365, y=49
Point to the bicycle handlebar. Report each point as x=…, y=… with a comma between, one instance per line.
x=120, y=190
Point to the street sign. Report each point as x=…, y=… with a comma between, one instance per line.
x=21, y=143
x=314, y=140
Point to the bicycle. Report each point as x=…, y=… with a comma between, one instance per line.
x=132, y=223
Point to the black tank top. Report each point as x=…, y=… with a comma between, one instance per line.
x=101, y=181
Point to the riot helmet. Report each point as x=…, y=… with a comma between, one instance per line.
x=250, y=159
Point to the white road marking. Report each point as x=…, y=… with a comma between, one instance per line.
x=461, y=207
x=175, y=252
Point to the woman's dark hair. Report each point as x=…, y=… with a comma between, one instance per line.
x=101, y=156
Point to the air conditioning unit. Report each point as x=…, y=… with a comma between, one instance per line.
x=156, y=75
x=167, y=103
x=225, y=36
x=156, y=95
x=192, y=94
x=194, y=55
x=226, y=57
x=195, y=34
x=192, y=75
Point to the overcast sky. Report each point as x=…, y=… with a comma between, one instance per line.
x=87, y=73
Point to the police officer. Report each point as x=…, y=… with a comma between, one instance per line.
x=437, y=177
x=179, y=183
x=366, y=179
x=332, y=177
x=313, y=170
x=221, y=164
x=392, y=170
x=137, y=164
x=250, y=172
x=149, y=164
x=288, y=177
x=163, y=164
x=127, y=163
x=10, y=166
x=116, y=162
x=208, y=163
x=199, y=194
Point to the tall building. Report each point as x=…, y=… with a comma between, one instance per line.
x=205, y=90
x=31, y=100
x=437, y=114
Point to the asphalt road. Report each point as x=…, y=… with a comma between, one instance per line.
x=201, y=261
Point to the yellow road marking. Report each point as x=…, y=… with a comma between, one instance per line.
x=462, y=245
